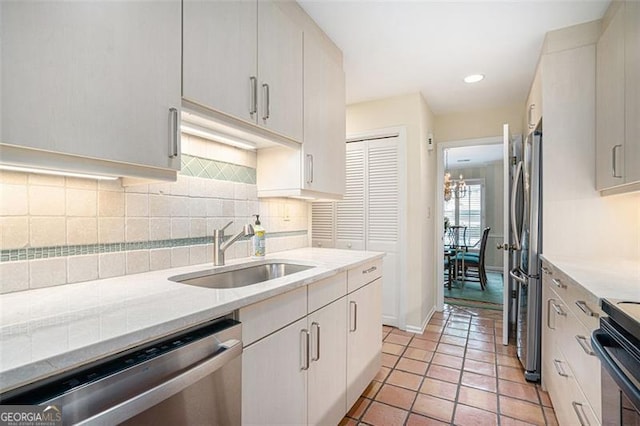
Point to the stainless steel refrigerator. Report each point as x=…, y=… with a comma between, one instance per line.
x=526, y=222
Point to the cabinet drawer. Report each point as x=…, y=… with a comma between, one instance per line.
x=575, y=343
x=569, y=402
x=326, y=291
x=263, y=318
x=364, y=274
x=582, y=303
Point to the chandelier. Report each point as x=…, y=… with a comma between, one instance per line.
x=453, y=188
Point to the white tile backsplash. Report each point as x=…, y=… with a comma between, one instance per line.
x=47, y=201
x=110, y=229
x=47, y=231
x=14, y=276
x=82, y=268
x=47, y=272
x=14, y=231
x=44, y=211
x=13, y=200
x=81, y=202
x=136, y=204
x=137, y=261
x=82, y=230
x=111, y=265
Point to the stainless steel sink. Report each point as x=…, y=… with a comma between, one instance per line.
x=240, y=276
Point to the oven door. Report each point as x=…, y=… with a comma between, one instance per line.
x=620, y=377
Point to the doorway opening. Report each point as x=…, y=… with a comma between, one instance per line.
x=471, y=200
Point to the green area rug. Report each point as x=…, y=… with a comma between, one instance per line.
x=471, y=295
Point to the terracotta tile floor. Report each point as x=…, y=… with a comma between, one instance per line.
x=454, y=373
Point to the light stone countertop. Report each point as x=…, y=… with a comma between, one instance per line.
x=51, y=330
x=604, y=278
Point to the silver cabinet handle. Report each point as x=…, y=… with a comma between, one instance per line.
x=549, y=303
x=586, y=309
x=309, y=168
x=531, y=107
x=267, y=101
x=558, y=310
x=354, y=323
x=148, y=398
x=253, y=108
x=304, y=349
x=582, y=341
x=559, y=369
x=372, y=269
x=558, y=283
x=174, y=137
x=614, y=162
x=315, y=325
x=579, y=409
x=546, y=270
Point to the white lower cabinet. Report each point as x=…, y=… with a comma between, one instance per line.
x=364, y=344
x=570, y=370
x=327, y=375
x=309, y=368
x=274, y=384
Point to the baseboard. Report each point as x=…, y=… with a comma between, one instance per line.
x=421, y=329
x=390, y=321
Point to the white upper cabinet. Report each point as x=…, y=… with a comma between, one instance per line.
x=534, y=102
x=632, y=91
x=618, y=100
x=220, y=67
x=243, y=60
x=99, y=80
x=324, y=118
x=279, y=70
x=317, y=170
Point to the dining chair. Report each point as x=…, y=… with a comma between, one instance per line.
x=472, y=261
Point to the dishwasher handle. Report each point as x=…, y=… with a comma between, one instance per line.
x=232, y=348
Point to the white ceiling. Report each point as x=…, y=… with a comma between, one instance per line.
x=398, y=47
x=472, y=156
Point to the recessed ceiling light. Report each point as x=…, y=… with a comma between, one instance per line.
x=474, y=78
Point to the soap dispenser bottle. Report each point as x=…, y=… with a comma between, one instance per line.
x=258, y=238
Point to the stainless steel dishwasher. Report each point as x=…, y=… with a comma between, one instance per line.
x=189, y=378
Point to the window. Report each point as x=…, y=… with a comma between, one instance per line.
x=468, y=211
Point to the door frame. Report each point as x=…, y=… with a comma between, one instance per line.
x=401, y=133
x=439, y=227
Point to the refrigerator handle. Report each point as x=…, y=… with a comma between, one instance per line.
x=514, y=192
x=515, y=274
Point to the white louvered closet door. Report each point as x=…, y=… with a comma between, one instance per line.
x=350, y=212
x=384, y=202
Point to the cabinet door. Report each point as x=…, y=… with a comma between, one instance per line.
x=95, y=79
x=610, y=102
x=632, y=91
x=274, y=385
x=324, y=118
x=280, y=70
x=328, y=366
x=364, y=343
x=219, y=55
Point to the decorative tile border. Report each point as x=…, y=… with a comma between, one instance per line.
x=212, y=169
x=34, y=253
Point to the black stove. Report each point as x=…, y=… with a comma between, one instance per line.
x=617, y=345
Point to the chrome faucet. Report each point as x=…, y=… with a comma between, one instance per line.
x=220, y=246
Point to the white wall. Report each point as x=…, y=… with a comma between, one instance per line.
x=475, y=124
x=577, y=221
x=412, y=112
